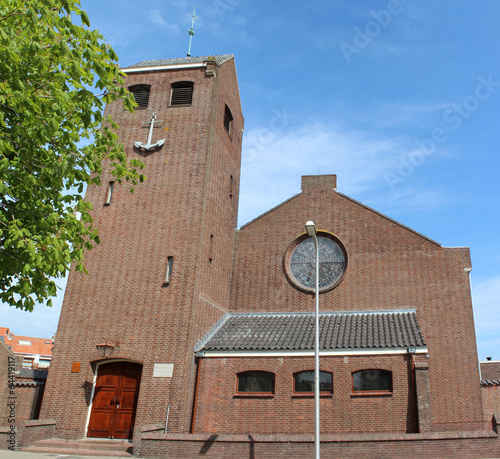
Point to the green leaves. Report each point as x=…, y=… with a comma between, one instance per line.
x=51, y=74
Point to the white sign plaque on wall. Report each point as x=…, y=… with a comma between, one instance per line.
x=163, y=370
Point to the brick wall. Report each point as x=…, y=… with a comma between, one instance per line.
x=490, y=369
x=185, y=199
x=389, y=267
x=491, y=400
x=29, y=399
x=220, y=410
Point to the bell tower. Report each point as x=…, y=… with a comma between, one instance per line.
x=160, y=278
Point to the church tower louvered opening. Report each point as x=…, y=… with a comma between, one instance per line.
x=141, y=94
x=182, y=93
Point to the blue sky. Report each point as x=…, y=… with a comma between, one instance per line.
x=399, y=98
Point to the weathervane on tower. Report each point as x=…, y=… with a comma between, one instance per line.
x=191, y=30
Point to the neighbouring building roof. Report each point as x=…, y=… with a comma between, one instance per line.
x=295, y=331
x=490, y=382
x=26, y=345
x=490, y=370
x=29, y=373
x=220, y=59
x=31, y=383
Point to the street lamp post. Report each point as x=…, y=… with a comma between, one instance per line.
x=311, y=231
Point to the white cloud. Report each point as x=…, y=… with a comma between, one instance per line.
x=156, y=17
x=275, y=158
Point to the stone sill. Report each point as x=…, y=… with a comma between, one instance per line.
x=39, y=422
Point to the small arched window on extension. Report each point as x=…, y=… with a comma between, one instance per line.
x=182, y=93
x=372, y=381
x=255, y=382
x=141, y=94
x=303, y=382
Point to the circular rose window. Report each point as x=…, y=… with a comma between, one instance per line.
x=300, y=263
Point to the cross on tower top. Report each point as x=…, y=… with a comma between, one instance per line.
x=191, y=30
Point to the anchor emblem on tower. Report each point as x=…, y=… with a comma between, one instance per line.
x=149, y=145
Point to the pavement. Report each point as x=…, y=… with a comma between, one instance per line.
x=6, y=454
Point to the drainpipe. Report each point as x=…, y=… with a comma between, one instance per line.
x=412, y=351
x=196, y=388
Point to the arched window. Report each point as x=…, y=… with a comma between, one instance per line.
x=182, y=93
x=303, y=381
x=372, y=381
x=141, y=94
x=228, y=119
x=256, y=382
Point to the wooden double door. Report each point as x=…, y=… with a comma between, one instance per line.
x=115, y=400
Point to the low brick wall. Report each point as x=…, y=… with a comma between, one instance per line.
x=25, y=433
x=485, y=444
x=8, y=437
x=29, y=395
x=36, y=429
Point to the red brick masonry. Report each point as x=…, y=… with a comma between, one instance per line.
x=479, y=444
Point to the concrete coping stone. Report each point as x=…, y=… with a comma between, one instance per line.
x=332, y=438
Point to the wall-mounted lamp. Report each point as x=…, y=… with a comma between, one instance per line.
x=105, y=348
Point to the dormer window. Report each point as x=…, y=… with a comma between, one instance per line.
x=182, y=93
x=228, y=119
x=141, y=94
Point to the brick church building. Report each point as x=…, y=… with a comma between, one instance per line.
x=187, y=329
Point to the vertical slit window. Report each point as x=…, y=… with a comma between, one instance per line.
x=211, y=249
x=168, y=274
x=141, y=94
x=109, y=196
x=182, y=93
x=231, y=186
x=228, y=119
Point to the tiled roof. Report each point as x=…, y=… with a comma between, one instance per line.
x=490, y=382
x=29, y=383
x=490, y=369
x=295, y=331
x=29, y=373
x=40, y=346
x=220, y=59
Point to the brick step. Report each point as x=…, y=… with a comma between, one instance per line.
x=112, y=448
